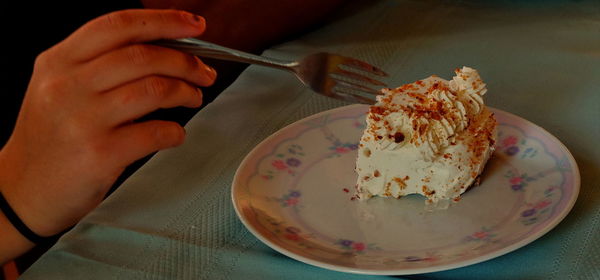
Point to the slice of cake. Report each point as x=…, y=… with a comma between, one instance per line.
x=432, y=137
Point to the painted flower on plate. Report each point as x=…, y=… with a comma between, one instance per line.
x=293, y=162
x=513, y=150
x=528, y=212
x=279, y=164
x=509, y=141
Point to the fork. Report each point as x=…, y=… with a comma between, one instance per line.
x=325, y=73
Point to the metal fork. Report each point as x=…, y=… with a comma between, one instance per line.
x=325, y=73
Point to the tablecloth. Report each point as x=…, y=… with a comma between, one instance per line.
x=173, y=219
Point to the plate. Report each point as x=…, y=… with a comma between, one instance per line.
x=294, y=192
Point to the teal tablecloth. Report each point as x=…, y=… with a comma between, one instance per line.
x=173, y=219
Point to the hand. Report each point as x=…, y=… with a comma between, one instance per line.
x=76, y=131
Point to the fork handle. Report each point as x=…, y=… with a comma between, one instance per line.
x=206, y=49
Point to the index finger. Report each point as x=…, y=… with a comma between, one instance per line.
x=117, y=29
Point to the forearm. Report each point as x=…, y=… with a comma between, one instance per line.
x=12, y=243
x=253, y=25
x=56, y=167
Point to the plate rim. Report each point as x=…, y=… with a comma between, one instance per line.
x=435, y=268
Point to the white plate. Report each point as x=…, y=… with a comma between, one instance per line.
x=293, y=192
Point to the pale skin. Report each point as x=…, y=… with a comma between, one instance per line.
x=77, y=130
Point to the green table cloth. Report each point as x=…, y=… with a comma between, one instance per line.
x=173, y=219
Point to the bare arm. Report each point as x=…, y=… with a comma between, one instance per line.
x=12, y=242
x=76, y=132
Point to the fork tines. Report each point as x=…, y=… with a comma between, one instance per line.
x=349, y=83
x=361, y=65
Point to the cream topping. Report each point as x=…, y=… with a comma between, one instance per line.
x=431, y=137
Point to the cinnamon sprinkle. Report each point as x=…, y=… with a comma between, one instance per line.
x=400, y=182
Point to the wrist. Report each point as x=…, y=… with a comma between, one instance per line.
x=17, y=223
x=17, y=197
x=12, y=243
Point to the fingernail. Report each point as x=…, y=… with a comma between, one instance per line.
x=211, y=72
x=199, y=91
x=195, y=19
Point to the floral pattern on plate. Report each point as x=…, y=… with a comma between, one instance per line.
x=287, y=193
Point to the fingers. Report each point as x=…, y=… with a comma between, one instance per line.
x=140, y=97
x=136, y=140
x=121, y=28
x=137, y=61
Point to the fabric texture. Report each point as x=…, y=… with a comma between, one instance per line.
x=173, y=219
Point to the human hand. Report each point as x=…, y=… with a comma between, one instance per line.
x=76, y=131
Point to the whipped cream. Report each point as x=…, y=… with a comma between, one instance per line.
x=432, y=137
